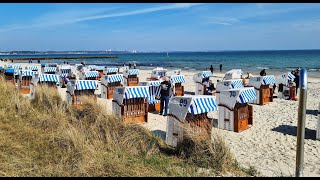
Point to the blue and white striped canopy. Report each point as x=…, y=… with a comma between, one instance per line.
x=267, y=80
x=114, y=78
x=64, y=72
x=91, y=74
x=154, y=91
x=49, y=78
x=51, y=65
x=86, y=84
x=153, y=83
x=112, y=70
x=32, y=68
x=177, y=79
x=206, y=74
x=288, y=76
x=28, y=73
x=246, y=95
x=202, y=105
x=237, y=84
x=136, y=92
x=50, y=69
x=133, y=71
x=14, y=66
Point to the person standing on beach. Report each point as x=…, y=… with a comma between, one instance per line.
x=134, y=65
x=130, y=65
x=164, y=96
x=296, y=80
x=211, y=69
x=263, y=72
x=220, y=67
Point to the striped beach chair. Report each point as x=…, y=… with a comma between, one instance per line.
x=50, y=70
x=235, y=113
x=91, y=75
x=177, y=80
x=79, y=88
x=131, y=77
x=24, y=82
x=130, y=103
x=286, y=89
x=190, y=110
x=109, y=83
x=154, y=92
x=110, y=71
x=227, y=84
x=263, y=85
x=51, y=80
x=198, y=79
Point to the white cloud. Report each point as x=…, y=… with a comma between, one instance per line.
x=70, y=17
x=222, y=20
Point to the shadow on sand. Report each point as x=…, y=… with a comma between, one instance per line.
x=292, y=130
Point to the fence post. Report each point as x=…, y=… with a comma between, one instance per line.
x=301, y=122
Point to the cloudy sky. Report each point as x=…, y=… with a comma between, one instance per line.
x=159, y=26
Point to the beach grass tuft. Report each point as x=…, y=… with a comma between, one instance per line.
x=45, y=137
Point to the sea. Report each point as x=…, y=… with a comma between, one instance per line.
x=275, y=62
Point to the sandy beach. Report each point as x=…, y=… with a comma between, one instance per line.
x=270, y=144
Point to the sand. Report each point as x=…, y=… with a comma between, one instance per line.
x=270, y=144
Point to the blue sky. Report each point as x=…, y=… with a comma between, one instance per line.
x=159, y=26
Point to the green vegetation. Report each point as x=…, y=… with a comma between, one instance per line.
x=44, y=137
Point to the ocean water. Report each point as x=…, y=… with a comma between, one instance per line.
x=275, y=62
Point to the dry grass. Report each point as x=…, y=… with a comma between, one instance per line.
x=44, y=137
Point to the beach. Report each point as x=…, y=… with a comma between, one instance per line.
x=270, y=144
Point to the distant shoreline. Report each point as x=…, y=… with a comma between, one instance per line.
x=54, y=58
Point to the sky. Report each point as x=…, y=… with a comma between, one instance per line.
x=159, y=26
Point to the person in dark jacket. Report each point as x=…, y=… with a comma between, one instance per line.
x=220, y=67
x=164, y=96
x=296, y=80
x=263, y=72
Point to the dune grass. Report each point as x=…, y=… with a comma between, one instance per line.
x=45, y=137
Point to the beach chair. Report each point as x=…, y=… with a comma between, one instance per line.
x=100, y=71
x=286, y=88
x=131, y=77
x=25, y=78
x=122, y=69
x=50, y=80
x=263, y=87
x=177, y=80
x=190, y=110
x=157, y=74
x=50, y=70
x=130, y=103
x=65, y=72
x=80, y=88
x=9, y=74
x=318, y=125
x=109, y=83
x=233, y=74
x=154, y=91
x=198, y=79
x=17, y=68
x=226, y=85
x=110, y=71
x=235, y=113
x=89, y=75
x=32, y=68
